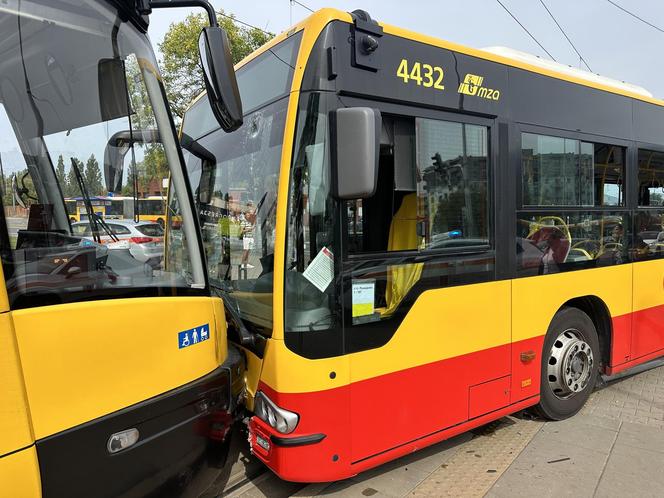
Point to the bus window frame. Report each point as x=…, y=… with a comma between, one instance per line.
x=425, y=112
x=635, y=174
x=521, y=128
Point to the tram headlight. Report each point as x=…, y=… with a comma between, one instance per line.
x=282, y=420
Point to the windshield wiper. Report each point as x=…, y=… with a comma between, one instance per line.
x=88, y=207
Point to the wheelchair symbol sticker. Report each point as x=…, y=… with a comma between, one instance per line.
x=193, y=336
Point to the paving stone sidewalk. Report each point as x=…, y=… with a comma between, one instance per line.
x=613, y=448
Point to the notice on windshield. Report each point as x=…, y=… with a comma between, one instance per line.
x=320, y=271
x=363, y=292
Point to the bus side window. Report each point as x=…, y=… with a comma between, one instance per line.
x=649, y=219
x=562, y=173
x=453, y=198
x=432, y=196
x=432, y=190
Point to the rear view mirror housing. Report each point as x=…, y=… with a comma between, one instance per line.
x=112, y=85
x=115, y=151
x=355, y=150
x=220, y=80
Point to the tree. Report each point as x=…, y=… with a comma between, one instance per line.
x=156, y=167
x=181, y=65
x=92, y=177
x=61, y=175
x=73, y=190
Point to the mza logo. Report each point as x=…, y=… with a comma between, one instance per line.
x=472, y=85
x=193, y=336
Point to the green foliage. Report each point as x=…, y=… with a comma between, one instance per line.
x=155, y=163
x=73, y=190
x=60, y=173
x=181, y=62
x=92, y=177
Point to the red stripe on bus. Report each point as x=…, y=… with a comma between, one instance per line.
x=400, y=412
x=420, y=404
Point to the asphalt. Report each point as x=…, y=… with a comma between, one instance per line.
x=613, y=448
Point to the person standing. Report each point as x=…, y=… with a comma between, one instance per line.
x=248, y=226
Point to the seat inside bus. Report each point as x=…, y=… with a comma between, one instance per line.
x=403, y=237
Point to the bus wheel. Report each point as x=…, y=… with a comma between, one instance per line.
x=570, y=364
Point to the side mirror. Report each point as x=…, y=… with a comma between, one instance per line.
x=220, y=81
x=116, y=149
x=355, y=149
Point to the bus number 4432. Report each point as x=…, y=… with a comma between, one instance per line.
x=422, y=74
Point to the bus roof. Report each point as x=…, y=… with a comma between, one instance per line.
x=319, y=19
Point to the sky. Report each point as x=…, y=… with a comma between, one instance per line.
x=613, y=43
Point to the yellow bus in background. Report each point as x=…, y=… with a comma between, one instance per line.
x=152, y=208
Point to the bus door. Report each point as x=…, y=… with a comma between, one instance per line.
x=426, y=325
x=648, y=293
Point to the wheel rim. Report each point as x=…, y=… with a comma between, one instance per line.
x=570, y=364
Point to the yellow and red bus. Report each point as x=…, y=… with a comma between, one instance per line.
x=438, y=236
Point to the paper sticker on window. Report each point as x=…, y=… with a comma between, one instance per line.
x=320, y=271
x=363, y=297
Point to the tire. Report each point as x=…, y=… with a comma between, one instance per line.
x=569, y=371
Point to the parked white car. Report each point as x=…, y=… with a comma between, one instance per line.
x=143, y=239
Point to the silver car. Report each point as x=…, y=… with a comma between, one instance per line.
x=143, y=239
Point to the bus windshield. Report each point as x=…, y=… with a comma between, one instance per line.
x=74, y=74
x=235, y=185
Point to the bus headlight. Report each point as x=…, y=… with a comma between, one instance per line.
x=282, y=420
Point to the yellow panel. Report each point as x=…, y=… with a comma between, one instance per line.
x=252, y=375
x=443, y=323
x=288, y=372
x=85, y=360
x=15, y=430
x=19, y=475
x=220, y=329
x=4, y=300
x=536, y=299
x=648, y=284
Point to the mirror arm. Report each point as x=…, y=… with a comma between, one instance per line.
x=204, y=4
x=191, y=145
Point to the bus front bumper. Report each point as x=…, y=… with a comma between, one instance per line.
x=297, y=458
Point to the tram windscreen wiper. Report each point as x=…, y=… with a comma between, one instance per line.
x=92, y=216
x=86, y=201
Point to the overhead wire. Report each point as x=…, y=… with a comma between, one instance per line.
x=565, y=35
x=235, y=19
x=301, y=5
x=526, y=30
x=635, y=16
x=259, y=29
